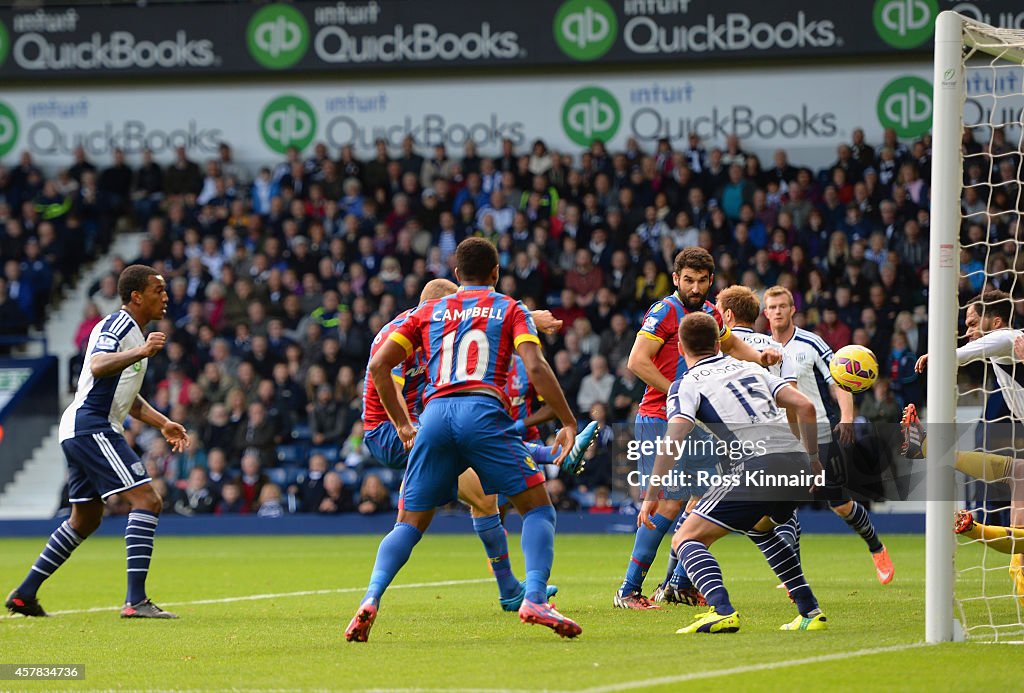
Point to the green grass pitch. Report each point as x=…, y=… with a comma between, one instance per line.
x=453, y=636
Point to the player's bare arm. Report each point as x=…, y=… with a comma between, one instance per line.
x=390, y=354
x=845, y=401
x=107, y=365
x=543, y=413
x=173, y=432
x=678, y=429
x=807, y=420
x=641, y=363
x=544, y=381
x=739, y=349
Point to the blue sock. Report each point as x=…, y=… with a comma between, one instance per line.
x=784, y=562
x=492, y=534
x=544, y=454
x=677, y=576
x=138, y=540
x=645, y=549
x=539, y=551
x=706, y=575
x=860, y=522
x=392, y=554
x=58, y=549
x=790, y=533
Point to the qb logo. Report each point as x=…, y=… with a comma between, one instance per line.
x=277, y=36
x=905, y=23
x=287, y=121
x=905, y=105
x=8, y=129
x=590, y=113
x=585, y=29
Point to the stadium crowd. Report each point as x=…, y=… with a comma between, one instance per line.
x=279, y=279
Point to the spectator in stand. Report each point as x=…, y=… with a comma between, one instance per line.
x=328, y=421
x=336, y=498
x=252, y=480
x=231, y=502
x=373, y=496
x=584, y=278
x=91, y=318
x=269, y=503
x=560, y=499
x=879, y=406
x=256, y=437
x=596, y=387
x=835, y=333
x=197, y=498
x=310, y=485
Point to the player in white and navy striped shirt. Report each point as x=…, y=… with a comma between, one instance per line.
x=810, y=357
x=740, y=403
x=100, y=462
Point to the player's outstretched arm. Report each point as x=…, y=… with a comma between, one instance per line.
x=678, y=429
x=641, y=363
x=738, y=349
x=545, y=321
x=544, y=381
x=544, y=413
x=390, y=354
x=922, y=363
x=105, y=365
x=173, y=432
x=807, y=418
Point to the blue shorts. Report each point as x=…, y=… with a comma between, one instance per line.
x=100, y=465
x=650, y=428
x=739, y=508
x=461, y=432
x=386, y=447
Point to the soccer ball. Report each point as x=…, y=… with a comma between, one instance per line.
x=854, y=368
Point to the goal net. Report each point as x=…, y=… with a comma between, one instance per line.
x=977, y=247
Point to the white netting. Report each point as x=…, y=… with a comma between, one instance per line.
x=992, y=257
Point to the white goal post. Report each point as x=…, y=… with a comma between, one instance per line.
x=964, y=49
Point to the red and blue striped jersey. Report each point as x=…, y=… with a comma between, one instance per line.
x=661, y=324
x=521, y=395
x=468, y=340
x=409, y=374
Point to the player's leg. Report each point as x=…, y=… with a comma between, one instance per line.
x=853, y=513
x=86, y=516
x=785, y=562
x=138, y=538
x=646, y=541
x=700, y=465
x=692, y=542
x=487, y=442
x=483, y=508
x=431, y=480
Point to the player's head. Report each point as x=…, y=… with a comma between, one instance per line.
x=698, y=336
x=738, y=306
x=437, y=288
x=992, y=310
x=693, y=273
x=144, y=291
x=779, y=308
x=476, y=262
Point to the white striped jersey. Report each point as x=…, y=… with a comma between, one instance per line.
x=809, y=357
x=784, y=369
x=997, y=348
x=103, y=405
x=735, y=400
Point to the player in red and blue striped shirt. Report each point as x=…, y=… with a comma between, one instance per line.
x=468, y=340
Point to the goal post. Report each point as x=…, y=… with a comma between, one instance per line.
x=978, y=70
x=943, y=277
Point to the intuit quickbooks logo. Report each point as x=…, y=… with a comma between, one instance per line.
x=8, y=129
x=5, y=43
x=905, y=23
x=278, y=36
x=585, y=29
x=287, y=121
x=589, y=114
x=905, y=105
